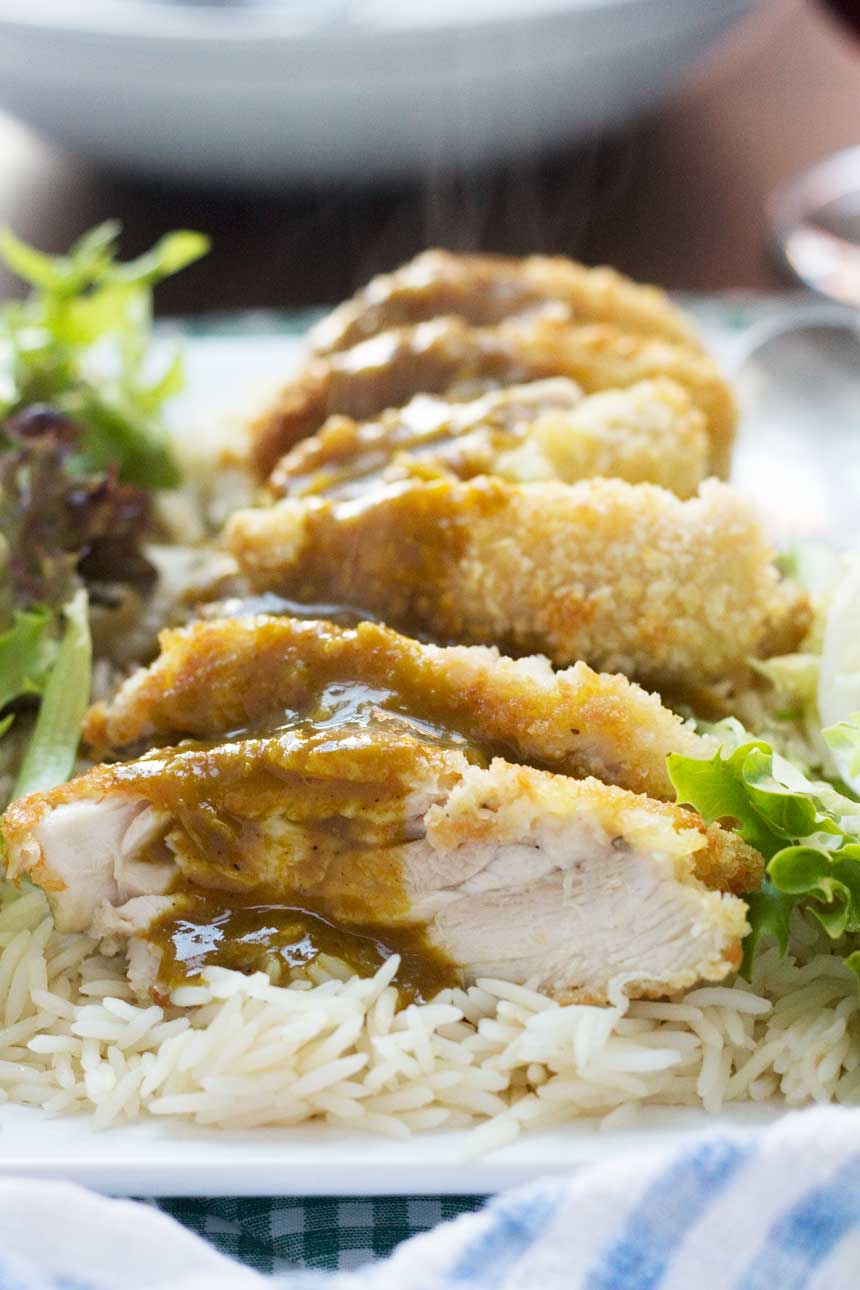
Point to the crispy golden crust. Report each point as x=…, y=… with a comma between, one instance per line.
x=728, y=862
x=789, y=623
x=650, y=432
x=449, y=355
x=502, y=798
x=627, y=577
x=218, y=676
x=485, y=289
x=603, y=356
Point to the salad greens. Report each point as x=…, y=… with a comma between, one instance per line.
x=50, y=755
x=66, y=540
x=26, y=656
x=59, y=525
x=807, y=830
x=78, y=301
x=82, y=442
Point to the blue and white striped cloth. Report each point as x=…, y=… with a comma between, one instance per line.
x=775, y=1208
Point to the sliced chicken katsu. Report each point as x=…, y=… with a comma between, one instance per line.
x=216, y=677
x=625, y=576
x=485, y=289
x=359, y=837
x=450, y=356
x=543, y=430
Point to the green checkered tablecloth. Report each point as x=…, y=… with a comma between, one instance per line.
x=272, y=1234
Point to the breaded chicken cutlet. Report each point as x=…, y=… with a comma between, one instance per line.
x=486, y=289
x=649, y=432
x=363, y=805
x=449, y=356
x=585, y=891
x=627, y=577
x=215, y=677
x=285, y=789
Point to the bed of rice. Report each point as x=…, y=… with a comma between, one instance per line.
x=241, y=1052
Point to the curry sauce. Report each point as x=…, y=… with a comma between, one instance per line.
x=288, y=841
x=429, y=437
x=395, y=550
x=255, y=932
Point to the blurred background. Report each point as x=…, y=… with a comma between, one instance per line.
x=322, y=142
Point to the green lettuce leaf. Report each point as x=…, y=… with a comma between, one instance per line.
x=26, y=655
x=53, y=745
x=807, y=831
x=717, y=790
x=769, y=912
x=844, y=741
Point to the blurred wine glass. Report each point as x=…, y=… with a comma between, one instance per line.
x=815, y=217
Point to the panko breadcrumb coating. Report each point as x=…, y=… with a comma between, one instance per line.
x=604, y=357
x=216, y=677
x=450, y=356
x=649, y=432
x=625, y=576
x=485, y=289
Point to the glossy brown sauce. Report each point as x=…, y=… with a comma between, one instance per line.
x=399, y=545
x=302, y=668
x=255, y=934
x=426, y=439
x=289, y=840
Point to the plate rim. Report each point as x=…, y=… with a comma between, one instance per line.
x=324, y=1161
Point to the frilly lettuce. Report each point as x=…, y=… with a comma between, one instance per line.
x=807, y=830
x=77, y=302
x=81, y=442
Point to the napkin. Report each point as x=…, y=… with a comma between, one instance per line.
x=776, y=1207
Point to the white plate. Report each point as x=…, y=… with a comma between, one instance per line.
x=153, y=1157
x=259, y=94
x=156, y=1159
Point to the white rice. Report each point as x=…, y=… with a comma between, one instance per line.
x=240, y=1052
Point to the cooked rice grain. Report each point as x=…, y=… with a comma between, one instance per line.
x=240, y=1052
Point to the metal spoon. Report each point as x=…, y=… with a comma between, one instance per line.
x=798, y=451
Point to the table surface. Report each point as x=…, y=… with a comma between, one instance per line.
x=678, y=199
